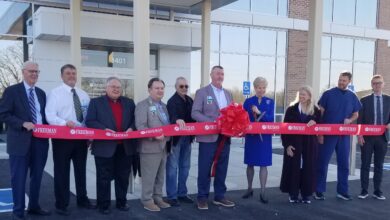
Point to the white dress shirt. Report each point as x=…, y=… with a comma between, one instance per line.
x=37, y=105
x=220, y=96
x=60, y=105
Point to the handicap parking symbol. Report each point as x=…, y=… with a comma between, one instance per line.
x=6, y=202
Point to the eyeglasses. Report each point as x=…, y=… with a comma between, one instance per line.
x=183, y=86
x=377, y=83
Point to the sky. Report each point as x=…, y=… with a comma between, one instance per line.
x=3, y=7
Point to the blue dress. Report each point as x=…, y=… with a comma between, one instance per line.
x=258, y=150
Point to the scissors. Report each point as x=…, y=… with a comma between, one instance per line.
x=257, y=119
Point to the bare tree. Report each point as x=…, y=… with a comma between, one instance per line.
x=11, y=62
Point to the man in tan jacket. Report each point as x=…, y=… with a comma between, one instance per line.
x=150, y=113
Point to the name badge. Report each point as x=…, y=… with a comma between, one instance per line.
x=268, y=102
x=153, y=109
x=209, y=100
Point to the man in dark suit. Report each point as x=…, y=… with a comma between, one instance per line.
x=23, y=106
x=112, y=112
x=207, y=103
x=376, y=110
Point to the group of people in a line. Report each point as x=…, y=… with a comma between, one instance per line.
x=167, y=159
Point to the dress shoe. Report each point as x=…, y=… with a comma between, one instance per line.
x=185, y=199
x=16, y=217
x=87, y=205
x=248, y=194
x=160, y=203
x=64, y=211
x=173, y=202
x=125, y=207
x=150, y=206
x=202, y=205
x=224, y=202
x=105, y=211
x=39, y=211
x=263, y=198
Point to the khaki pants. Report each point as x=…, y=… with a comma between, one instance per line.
x=152, y=171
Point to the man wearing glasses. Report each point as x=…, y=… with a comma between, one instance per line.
x=179, y=159
x=21, y=108
x=375, y=110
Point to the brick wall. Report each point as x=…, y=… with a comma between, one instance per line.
x=296, y=62
x=382, y=49
x=297, y=50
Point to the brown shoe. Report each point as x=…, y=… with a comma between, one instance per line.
x=150, y=206
x=202, y=205
x=160, y=203
x=224, y=202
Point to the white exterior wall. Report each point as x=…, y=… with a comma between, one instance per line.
x=51, y=47
x=172, y=64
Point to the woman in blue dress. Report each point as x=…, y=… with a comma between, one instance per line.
x=258, y=147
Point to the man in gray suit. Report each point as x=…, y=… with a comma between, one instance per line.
x=375, y=110
x=207, y=103
x=150, y=113
x=112, y=112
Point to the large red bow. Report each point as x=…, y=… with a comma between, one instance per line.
x=233, y=120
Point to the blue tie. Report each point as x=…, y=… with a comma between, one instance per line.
x=31, y=103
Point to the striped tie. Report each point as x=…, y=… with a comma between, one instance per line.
x=31, y=103
x=77, y=106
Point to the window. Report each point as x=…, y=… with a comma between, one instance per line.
x=263, y=42
x=344, y=12
x=366, y=13
x=230, y=42
x=240, y=5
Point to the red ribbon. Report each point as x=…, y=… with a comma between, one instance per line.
x=207, y=128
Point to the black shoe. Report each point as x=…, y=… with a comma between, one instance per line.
x=306, y=200
x=248, y=194
x=344, y=196
x=185, y=199
x=293, y=199
x=16, y=217
x=125, y=207
x=378, y=195
x=363, y=194
x=64, y=211
x=105, y=211
x=87, y=205
x=173, y=202
x=263, y=198
x=319, y=196
x=39, y=211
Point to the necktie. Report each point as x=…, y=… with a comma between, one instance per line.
x=378, y=111
x=77, y=106
x=164, y=117
x=31, y=103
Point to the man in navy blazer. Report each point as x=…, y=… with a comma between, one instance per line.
x=375, y=110
x=112, y=112
x=23, y=106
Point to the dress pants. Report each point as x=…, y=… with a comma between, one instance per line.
x=378, y=146
x=115, y=168
x=340, y=144
x=35, y=160
x=153, y=171
x=205, y=160
x=65, y=151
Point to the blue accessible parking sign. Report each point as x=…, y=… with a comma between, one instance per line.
x=246, y=88
x=6, y=202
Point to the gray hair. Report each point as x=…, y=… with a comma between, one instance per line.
x=28, y=63
x=178, y=79
x=112, y=78
x=260, y=80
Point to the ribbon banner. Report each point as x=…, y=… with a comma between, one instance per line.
x=206, y=128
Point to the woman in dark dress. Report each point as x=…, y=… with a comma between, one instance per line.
x=300, y=151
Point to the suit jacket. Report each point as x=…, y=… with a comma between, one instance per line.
x=147, y=117
x=177, y=110
x=100, y=116
x=367, y=115
x=14, y=111
x=204, y=110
